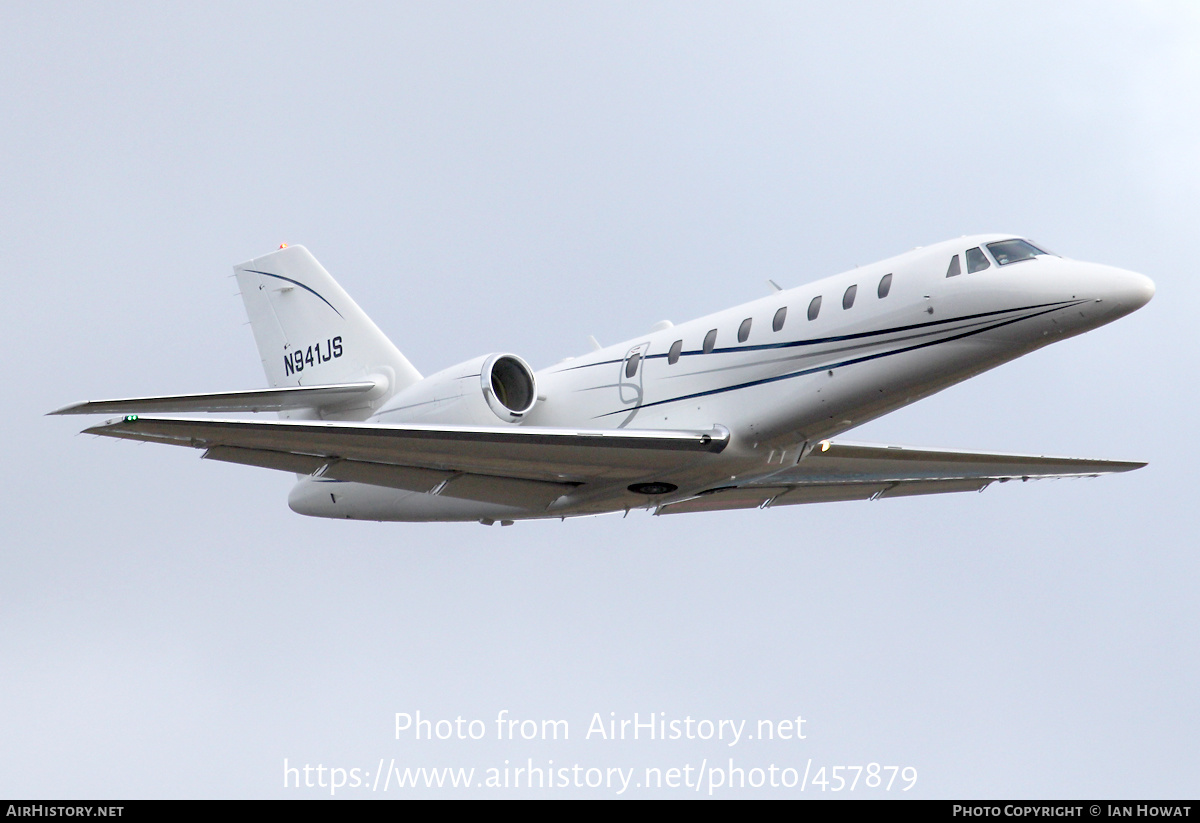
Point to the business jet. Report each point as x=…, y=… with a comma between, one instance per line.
x=738, y=409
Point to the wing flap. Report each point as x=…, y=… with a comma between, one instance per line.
x=723, y=500
x=490, y=489
x=283, y=461
x=352, y=471
x=748, y=497
x=829, y=493
x=918, y=487
x=383, y=474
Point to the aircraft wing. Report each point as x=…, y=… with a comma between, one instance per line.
x=856, y=471
x=522, y=466
x=252, y=400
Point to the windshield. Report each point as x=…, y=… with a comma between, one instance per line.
x=1014, y=251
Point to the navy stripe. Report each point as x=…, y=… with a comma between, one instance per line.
x=600, y=363
x=301, y=285
x=841, y=337
x=852, y=361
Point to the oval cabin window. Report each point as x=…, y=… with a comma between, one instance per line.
x=673, y=354
x=885, y=286
x=632, y=366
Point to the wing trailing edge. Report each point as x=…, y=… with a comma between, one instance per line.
x=858, y=471
x=487, y=488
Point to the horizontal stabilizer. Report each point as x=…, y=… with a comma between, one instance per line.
x=855, y=471
x=249, y=400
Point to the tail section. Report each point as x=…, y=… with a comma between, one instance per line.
x=309, y=332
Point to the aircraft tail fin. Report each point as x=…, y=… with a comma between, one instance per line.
x=309, y=331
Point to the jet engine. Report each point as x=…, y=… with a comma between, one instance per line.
x=474, y=393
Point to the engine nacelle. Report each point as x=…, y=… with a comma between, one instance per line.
x=474, y=393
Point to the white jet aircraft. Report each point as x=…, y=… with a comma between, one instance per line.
x=733, y=410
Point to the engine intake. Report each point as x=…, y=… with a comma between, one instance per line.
x=509, y=386
x=473, y=393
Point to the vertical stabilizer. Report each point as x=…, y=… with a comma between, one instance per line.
x=310, y=332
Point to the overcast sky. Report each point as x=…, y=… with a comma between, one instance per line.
x=517, y=176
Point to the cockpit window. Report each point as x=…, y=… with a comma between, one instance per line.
x=955, y=269
x=976, y=260
x=1014, y=251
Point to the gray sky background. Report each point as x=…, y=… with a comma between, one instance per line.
x=514, y=177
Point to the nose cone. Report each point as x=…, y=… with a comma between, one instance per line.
x=1138, y=291
x=1128, y=291
x=1118, y=291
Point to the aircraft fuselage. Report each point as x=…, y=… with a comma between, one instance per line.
x=787, y=371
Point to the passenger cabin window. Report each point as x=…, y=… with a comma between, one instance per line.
x=780, y=318
x=1014, y=251
x=744, y=329
x=976, y=260
x=631, y=366
x=814, y=308
x=710, y=341
x=955, y=269
x=848, y=297
x=885, y=286
x=673, y=354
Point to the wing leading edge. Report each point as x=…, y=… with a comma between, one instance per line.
x=858, y=471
